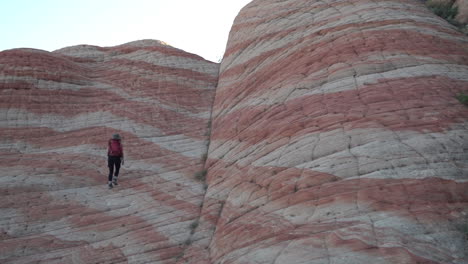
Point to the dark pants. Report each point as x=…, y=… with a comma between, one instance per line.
x=111, y=162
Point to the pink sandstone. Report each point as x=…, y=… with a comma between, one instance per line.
x=330, y=133
x=57, y=112
x=337, y=138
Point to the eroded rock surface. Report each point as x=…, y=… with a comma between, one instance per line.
x=57, y=111
x=337, y=137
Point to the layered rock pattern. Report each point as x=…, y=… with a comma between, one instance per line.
x=57, y=111
x=337, y=137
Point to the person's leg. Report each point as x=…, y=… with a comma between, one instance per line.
x=117, y=169
x=110, y=164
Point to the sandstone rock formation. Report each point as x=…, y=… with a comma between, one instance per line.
x=57, y=111
x=336, y=138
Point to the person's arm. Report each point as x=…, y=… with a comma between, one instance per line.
x=122, y=158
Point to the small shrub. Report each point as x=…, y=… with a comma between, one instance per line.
x=194, y=225
x=444, y=10
x=201, y=175
x=447, y=11
x=188, y=242
x=463, y=98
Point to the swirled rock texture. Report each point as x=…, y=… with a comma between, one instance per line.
x=57, y=112
x=337, y=137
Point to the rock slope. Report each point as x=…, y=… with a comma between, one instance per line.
x=57, y=111
x=337, y=137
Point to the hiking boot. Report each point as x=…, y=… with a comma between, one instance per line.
x=110, y=185
x=114, y=181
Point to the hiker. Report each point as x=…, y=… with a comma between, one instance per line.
x=114, y=158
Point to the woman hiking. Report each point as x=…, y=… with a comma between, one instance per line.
x=114, y=158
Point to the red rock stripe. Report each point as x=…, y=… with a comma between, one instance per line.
x=15, y=248
x=396, y=196
x=104, y=254
x=282, y=182
x=266, y=177
x=92, y=100
x=287, y=187
x=41, y=245
x=34, y=164
x=163, y=70
x=74, y=176
x=62, y=77
x=245, y=44
x=352, y=250
x=167, y=198
x=375, y=68
x=41, y=65
x=134, y=147
x=358, y=42
x=319, y=57
x=77, y=60
x=251, y=14
x=277, y=181
x=88, y=220
x=16, y=85
x=165, y=192
x=397, y=104
x=169, y=92
x=80, y=174
x=173, y=93
x=40, y=61
x=238, y=28
x=270, y=13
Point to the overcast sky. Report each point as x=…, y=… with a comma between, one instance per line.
x=197, y=26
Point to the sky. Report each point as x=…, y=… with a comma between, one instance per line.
x=196, y=26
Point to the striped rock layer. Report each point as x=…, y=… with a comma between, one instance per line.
x=337, y=138
x=57, y=112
